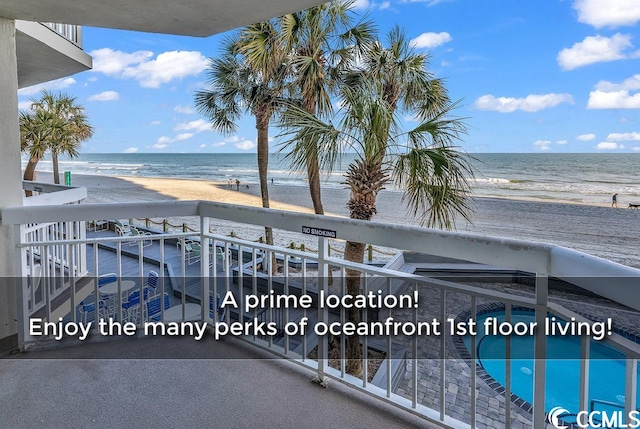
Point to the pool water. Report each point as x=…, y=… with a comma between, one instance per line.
x=607, y=366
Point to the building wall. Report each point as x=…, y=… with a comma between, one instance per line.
x=11, y=194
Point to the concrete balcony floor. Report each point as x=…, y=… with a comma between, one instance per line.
x=177, y=382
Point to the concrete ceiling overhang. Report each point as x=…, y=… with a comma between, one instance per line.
x=183, y=17
x=44, y=55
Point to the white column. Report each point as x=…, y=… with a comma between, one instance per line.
x=10, y=180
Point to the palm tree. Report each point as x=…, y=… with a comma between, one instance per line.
x=391, y=82
x=36, y=130
x=319, y=41
x=73, y=126
x=237, y=86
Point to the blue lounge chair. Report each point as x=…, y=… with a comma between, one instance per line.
x=153, y=307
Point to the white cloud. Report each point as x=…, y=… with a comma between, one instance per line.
x=609, y=13
x=164, y=140
x=596, y=49
x=105, y=96
x=199, y=125
x=188, y=110
x=202, y=146
x=445, y=63
x=609, y=95
x=51, y=85
x=586, y=137
x=623, y=137
x=609, y=146
x=632, y=83
x=183, y=136
x=113, y=63
x=431, y=40
x=562, y=142
x=530, y=103
x=218, y=144
x=542, y=145
x=150, y=73
x=130, y=150
x=613, y=100
x=155, y=123
x=245, y=145
x=385, y=5
x=361, y=4
x=636, y=148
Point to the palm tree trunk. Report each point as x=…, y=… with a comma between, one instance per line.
x=313, y=173
x=365, y=179
x=30, y=172
x=353, y=252
x=262, y=125
x=56, y=170
x=313, y=169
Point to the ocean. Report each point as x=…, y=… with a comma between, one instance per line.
x=579, y=178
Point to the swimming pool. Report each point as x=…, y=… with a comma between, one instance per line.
x=606, y=366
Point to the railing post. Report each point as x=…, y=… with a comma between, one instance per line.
x=21, y=286
x=585, y=352
x=323, y=312
x=78, y=35
x=204, y=270
x=165, y=225
x=82, y=248
x=540, y=351
x=631, y=383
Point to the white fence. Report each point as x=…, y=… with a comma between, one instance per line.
x=73, y=33
x=240, y=260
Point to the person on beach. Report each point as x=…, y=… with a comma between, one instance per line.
x=237, y=184
x=614, y=201
x=272, y=180
x=229, y=184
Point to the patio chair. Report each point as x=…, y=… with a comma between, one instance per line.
x=90, y=307
x=107, y=278
x=223, y=256
x=98, y=225
x=194, y=254
x=122, y=229
x=104, y=280
x=131, y=308
x=153, y=307
x=152, y=283
x=136, y=233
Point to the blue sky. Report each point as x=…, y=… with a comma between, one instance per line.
x=533, y=76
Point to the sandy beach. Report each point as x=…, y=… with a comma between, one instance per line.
x=597, y=230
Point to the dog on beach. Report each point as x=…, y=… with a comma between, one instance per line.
x=634, y=206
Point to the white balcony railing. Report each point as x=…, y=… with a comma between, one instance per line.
x=73, y=33
x=227, y=264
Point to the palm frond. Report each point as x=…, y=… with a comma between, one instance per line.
x=436, y=185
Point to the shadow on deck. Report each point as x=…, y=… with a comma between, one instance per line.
x=183, y=383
